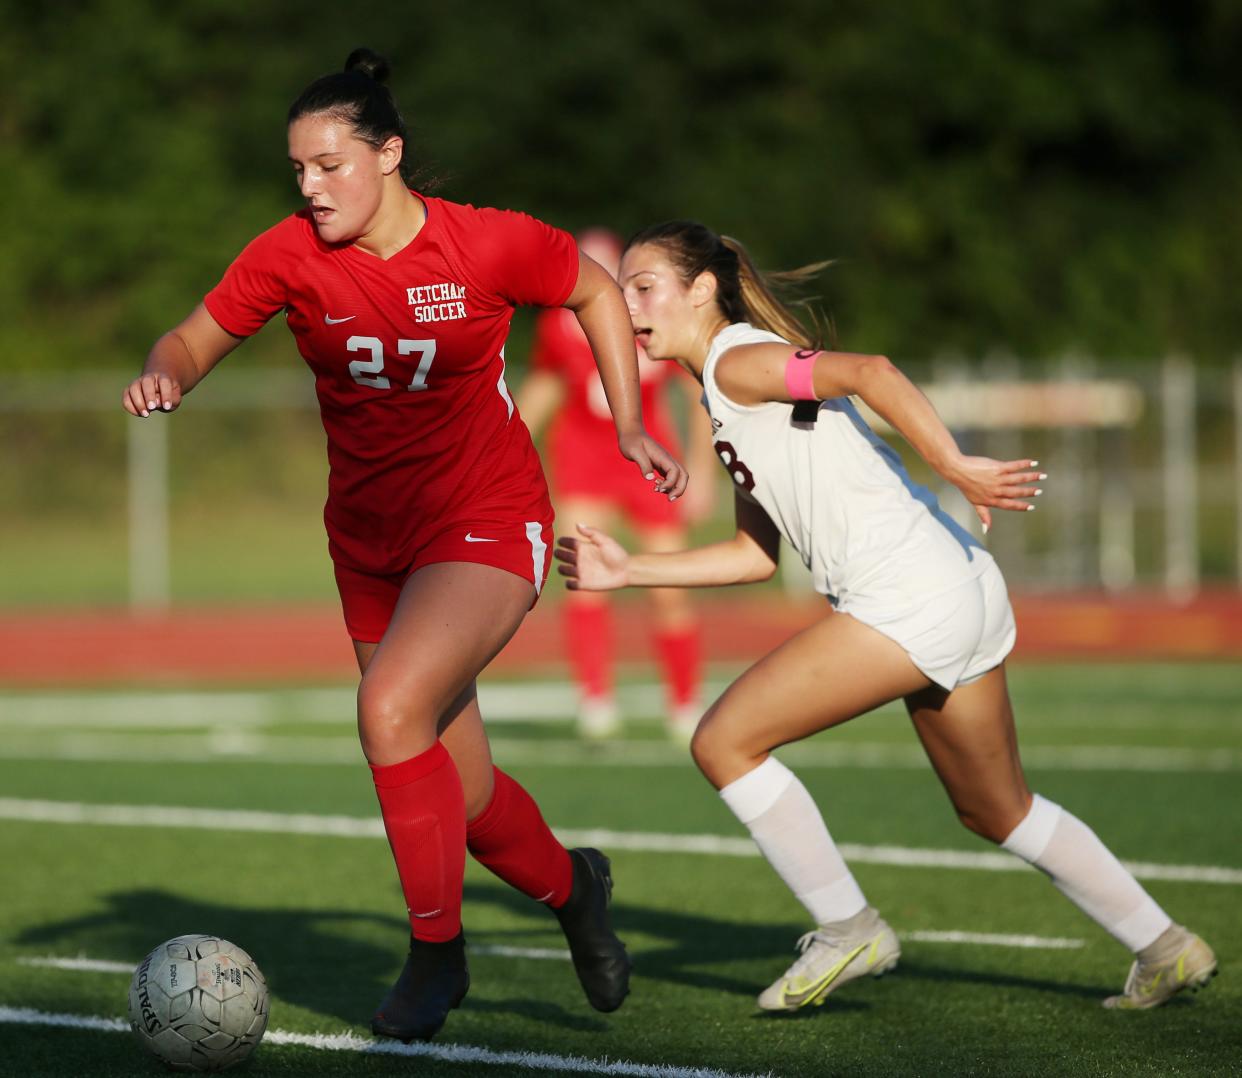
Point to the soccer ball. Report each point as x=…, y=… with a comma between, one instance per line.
x=198, y=1003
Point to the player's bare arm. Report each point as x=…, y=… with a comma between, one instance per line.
x=177, y=362
x=594, y=561
x=601, y=311
x=751, y=374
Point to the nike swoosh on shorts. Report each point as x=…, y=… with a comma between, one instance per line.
x=476, y=539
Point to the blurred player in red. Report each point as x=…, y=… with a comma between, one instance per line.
x=438, y=516
x=595, y=486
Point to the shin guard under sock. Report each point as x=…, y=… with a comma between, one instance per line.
x=790, y=832
x=425, y=818
x=511, y=838
x=1083, y=869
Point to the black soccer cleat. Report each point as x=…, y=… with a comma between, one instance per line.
x=434, y=981
x=599, y=957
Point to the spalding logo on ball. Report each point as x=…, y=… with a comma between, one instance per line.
x=198, y=1003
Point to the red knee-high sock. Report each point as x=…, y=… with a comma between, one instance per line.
x=681, y=658
x=425, y=816
x=511, y=838
x=588, y=638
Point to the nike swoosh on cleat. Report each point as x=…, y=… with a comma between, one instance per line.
x=810, y=992
x=330, y=321
x=476, y=539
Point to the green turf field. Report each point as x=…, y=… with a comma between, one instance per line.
x=278, y=847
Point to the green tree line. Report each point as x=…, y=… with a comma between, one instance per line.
x=1036, y=178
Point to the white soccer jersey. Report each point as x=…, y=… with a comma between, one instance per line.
x=877, y=543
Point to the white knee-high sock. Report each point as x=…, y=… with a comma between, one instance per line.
x=1083, y=869
x=790, y=832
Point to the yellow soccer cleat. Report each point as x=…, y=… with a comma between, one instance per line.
x=863, y=946
x=1178, y=959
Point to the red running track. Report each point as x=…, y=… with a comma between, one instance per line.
x=232, y=645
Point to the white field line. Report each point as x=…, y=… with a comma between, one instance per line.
x=169, y=710
x=78, y=812
x=499, y=702
x=82, y=964
x=994, y=939
x=247, y=744
x=348, y=1042
x=900, y=856
x=503, y=950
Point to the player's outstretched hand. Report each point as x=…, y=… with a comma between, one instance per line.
x=151, y=393
x=996, y=484
x=595, y=562
x=651, y=457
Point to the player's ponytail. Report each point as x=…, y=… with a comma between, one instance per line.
x=743, y=293
x=769, y=299
x=357, y=96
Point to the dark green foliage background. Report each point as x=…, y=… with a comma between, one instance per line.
x=1039, y=178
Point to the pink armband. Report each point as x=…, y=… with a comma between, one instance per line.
x=800, y=375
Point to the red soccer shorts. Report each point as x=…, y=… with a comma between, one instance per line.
x=523, y=548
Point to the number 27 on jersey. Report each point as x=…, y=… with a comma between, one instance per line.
x=369, y=372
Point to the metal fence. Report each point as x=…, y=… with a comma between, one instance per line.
x=1145, y=463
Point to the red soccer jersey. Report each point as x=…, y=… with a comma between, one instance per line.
x=408, y=356
x=560, y=347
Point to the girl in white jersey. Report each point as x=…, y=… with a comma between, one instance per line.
x=919, y=612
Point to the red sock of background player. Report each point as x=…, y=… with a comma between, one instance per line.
x=681, y=658
x=425, y=817
x=588, y=639
x=511, y=838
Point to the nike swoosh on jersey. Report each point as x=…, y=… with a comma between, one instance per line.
x=328, y=320
x=476, y=539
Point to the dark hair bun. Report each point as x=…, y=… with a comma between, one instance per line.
x=370, y=63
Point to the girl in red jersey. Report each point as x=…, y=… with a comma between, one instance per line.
x=438, y=517
x=594, y=485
